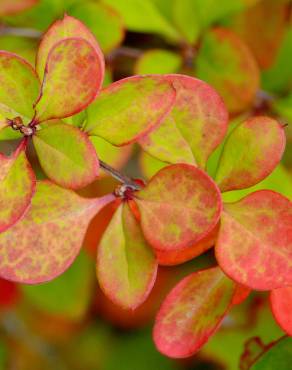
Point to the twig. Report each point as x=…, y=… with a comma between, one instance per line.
x=118, y=176
x=23, y=32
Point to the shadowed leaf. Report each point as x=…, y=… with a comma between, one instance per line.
x=281, y=304
x=66, y=155
x=183, y=203
x=254, y=245
x=192, y=312
x=130, y=108
x=48, y=238
x=251, y=152
x=17, y=185
x=126, y=265
x=195, y=126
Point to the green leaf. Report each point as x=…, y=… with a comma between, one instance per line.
x=72, y=80
x=185, y=14
x=17, y=186
x=19, y=87
x=225, y=62
x=129, y=108
x=66, y=155
x=193, y=129
x=192, y=312
x=8, y=7
x=103, y=21
x=126, y=265
x=251, y=152
x=22, y=46
x=45, y=242
x=150, y=165
x=157, y=61
x=68, y=295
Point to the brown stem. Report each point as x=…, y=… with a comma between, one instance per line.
x=23, y=32
x=119, y=176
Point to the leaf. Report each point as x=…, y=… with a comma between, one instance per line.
x=195, y=126
x=22, y=46
x=226, y=63
x=149, y=165
x=8, y=7
x=47, y=240
x=19, y=87
x=158, y=61
x=186, y=19
x=277, y=357
x=253, y=349
x=281, y=304
x=255, y=238
x=130, y=108
x=60, y=30
x=240, y=294
x=251, y=152
x=66, y=155
x=17, y=186
x=192, y=312
x=68, y=295
x=73, y=77
x=183, y=203
x=99, y=17
x=126, y=265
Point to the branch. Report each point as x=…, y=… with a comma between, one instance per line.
x=119, y=176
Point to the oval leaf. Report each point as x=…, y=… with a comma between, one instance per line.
x=183, y=203
x=17, y=185
x=281, y=304
x=126, y=265
x=130, y=108
x=251, y=152
x=72, y=79
x=158, y=61
x=254, y=245
x=226, y=63
x=48, y=238
x=192, y=312
x=195, y=126
x=66, y=155
x=19, y=87
x=9, y=7
x=62, y=29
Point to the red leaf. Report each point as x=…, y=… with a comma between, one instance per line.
x=240, y=294
x=192, y=312
x=281, y=304
x=9, y=7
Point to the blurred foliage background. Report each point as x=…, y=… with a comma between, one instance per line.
x=241, y=47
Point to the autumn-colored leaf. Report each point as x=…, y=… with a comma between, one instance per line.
x=183, y=203
x=130, y=108
x=225, y=62
x=72, y=80
x=62, y=29
x=66, y=155
x=252, y=151
x=195, y=126
x=192, y=312
x=17, y=185
x=240, y=294
x=19, y=88
x=8, y=7
x=126, y=265
x=254, y=245
x=281, y=304
x=48, y=238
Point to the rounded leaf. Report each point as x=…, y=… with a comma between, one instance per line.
x=281, y=304
x=183, y=203
x=254, y=245
x=48, y=238
x=66, y=155
x=158, y=61
x=195, y=126
x=9, y=7
x=252, y=151
x=192, y=312
x=130, y=108
x=126, y=265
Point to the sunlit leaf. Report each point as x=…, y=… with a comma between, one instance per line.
x=158, y=61
x=251, y=152
x=182, y=202
x=255, y=238
x=193, y=129
x=130, y=108
x=66, y=155
x=185, y=14
x=126, y=265
x=281, y=303
x=17, y=185
x=8, y=7
x=23, y=46
x=48, y=238
x=19, y=87
x=192, y=312
x=226, y=63
x=72, y=80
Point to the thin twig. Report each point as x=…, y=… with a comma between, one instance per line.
x=23, y=32
x=118, y=176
